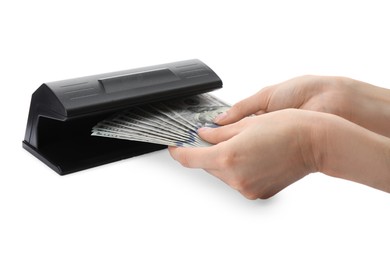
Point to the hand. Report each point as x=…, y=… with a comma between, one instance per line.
x=258, y=156
x=356, y=101
x=261, y=155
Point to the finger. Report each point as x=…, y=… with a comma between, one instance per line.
x=251, y=105
x=199, y=157
x=223, y=133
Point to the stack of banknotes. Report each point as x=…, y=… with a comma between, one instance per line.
x=173, y=123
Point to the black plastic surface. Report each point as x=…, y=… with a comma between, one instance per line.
x=62, y=113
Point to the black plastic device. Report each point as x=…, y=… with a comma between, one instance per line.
x=62, y=113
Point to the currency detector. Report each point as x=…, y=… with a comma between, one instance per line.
x=62, y=113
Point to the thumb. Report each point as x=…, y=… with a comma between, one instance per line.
x=256, y=103
x=222, y=133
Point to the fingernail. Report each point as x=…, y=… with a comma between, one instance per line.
x=204, y=129
x=220, y=117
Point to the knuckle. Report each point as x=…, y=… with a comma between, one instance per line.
x=265, y=196
x=247, y=190
x=226, y=160
x=240, y=183
x=249, y=195
x=239, y=108
x=256, y=195
x=237, y=183
x=307, y=77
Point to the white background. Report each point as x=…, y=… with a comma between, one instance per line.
x=150, y=207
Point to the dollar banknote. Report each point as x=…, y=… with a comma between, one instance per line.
x=174, y=122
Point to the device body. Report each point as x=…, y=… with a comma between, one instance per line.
x=62, y=113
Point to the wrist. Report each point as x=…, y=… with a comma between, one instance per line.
x=312, y=141
x=318, y=140
x=349, y=151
